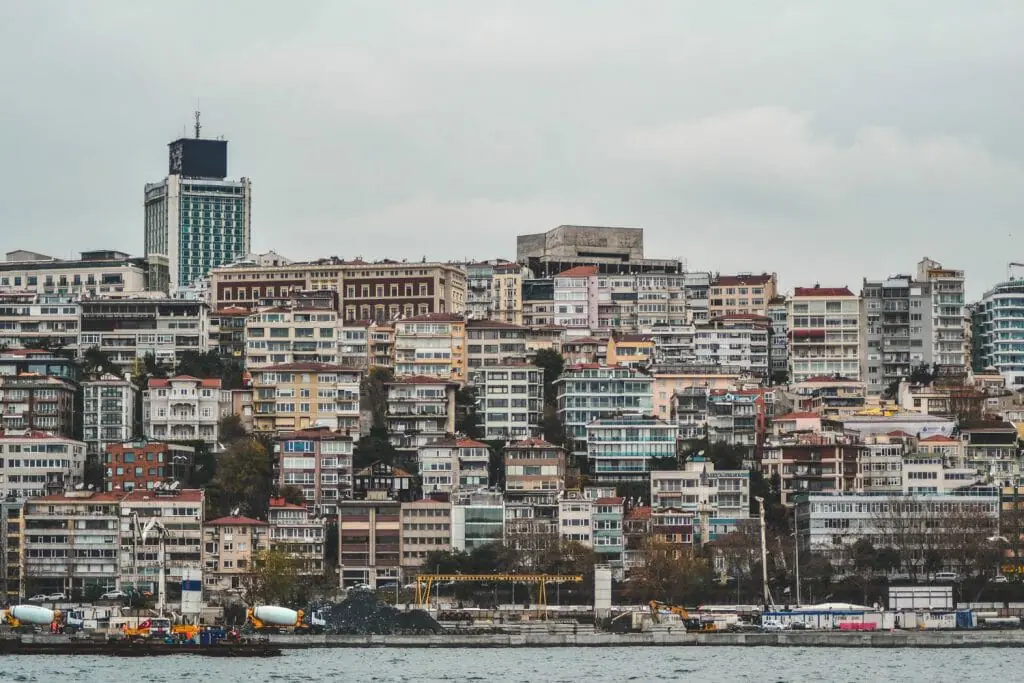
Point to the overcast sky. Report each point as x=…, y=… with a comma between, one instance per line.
x=827, y=141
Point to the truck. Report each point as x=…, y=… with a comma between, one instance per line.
x=273, y=618
x=20, y=617
x=140, y=628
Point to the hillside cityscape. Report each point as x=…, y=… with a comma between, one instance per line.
x=296, y=427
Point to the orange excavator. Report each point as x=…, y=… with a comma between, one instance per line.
x=691, y=624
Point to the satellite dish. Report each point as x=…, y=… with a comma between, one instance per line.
x=79, y=487
x=234, y=513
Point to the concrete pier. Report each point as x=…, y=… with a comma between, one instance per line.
x=880, y=639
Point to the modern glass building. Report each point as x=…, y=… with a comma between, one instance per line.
x=590, y=392
x=621, y=448
x=999, y=329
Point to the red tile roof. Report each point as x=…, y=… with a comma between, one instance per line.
x=822, y=291
x=236, y=521
x=937, y=438
x=434, y=318
x=282, y=504
x=231, y=311
x=533, y=442
x=899, y=433
x=610, y=501
x=579, y=271
x=642, y=512
x=733, y=280
x=156, y=383
x=470, y=443
x=797, y=416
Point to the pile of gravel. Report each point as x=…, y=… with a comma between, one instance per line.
x=362, y=613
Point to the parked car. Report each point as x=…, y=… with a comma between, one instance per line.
x=1000, y=578
x=946, y=577
x=56, y=597
x=773, y=625
x=114, y=595
x=41, y=597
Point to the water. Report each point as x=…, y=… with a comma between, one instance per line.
x=549, y=665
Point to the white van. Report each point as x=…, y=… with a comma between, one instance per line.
x=946, y=577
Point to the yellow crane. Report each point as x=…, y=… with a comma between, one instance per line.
x=424, y=583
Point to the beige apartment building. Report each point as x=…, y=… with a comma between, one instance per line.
x=296, y=396
x=534, y=465
x=230, y=544
x=432, y=345
x=824, y=333
x=741, y=294
x=282, y=334
x=426, y=527
x=299, y=534
x=507, y=292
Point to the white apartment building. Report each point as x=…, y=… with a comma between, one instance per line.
x=420, y=410
x=71, y=543
x=35, y=463
x=576, y=300
x=950, y=346
x=736, y=340
x=673, y=344
x=279, y=335
x=825, y=333
x=922, y=473
x=575, y=519
x=589, y=392
x=450, y=465
x=778, y=313
x=510, y=400
x=181, y=408
x=494, y=342
x=701, y=489
x=29, y=320
x=108, y=412
x=621, y=448
x=300, y=534
x=181, y=513
x=629, y=303
x=354, y=344
x=103, y=273
x=130, y=329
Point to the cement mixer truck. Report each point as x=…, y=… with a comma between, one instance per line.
x=22, y=617
x=275, y=619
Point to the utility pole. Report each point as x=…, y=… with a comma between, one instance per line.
x=796, y=552
x=764, y=555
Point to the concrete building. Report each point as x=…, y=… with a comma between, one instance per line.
x=450, y=465
x=576, y=300
x=479, y=290
x=999, y=333
x=318, y=461
x=538, y=302
x=918, y=525
x=31, y=321
x=38, y=362
x=534, y=466
x=370, y=542
x=101, y=273
x=494, y=342
x=108, y=413
x=810, y=466
x=829, y=396
x=145, y=464
x=181, y=408
x=478, y=519
x=690, y=413
x=195, y=218
x=575, y=516
x=299, y=396
x=510, y=401
x=613, y=250
x=71, y=544
x=507, y=292
x=130, y=329
x=896, y=326
x=990, y=447
x=950, y=345
x=282, y=334
x=420, y=410
x=607, y=529
x=36, y=463
x=35, y=402
x=673, y=344
x=354, y=344
x=735, y=340
x=743, y=294
x=230, y=545
x=431, y=345
x=227, y=332
x=380, y=291
x=426, y=528
x=701, y=489
x=181, y=512
x=298, y=533
x=628, y=303
x=584, y=350
x=590, y=392
x=10, y=548
x=778, y=313
x=666, y=380
x=630, y=350
x=621, y=448
x=825, y=333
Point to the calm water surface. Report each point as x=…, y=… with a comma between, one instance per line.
x=554, y=665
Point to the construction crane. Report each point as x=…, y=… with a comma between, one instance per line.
x=424, y=582
x=764, y=555
x=155, y=527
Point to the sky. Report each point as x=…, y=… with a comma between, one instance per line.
x=825, y=141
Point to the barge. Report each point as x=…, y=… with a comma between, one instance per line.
x=58, y=645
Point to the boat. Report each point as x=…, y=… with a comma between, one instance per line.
x=126, y=648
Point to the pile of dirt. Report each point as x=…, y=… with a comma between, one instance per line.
x=361, y=613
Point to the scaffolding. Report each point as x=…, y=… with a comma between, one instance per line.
x=425, y=582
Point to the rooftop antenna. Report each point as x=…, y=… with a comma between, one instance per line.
x=198, y=126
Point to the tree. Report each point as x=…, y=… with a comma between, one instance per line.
x=271, y=579
x=373, y=447
x=243, y=480
x=552, y=427
x=292, y=494
x=211, y=365
x=97, y=362
x=669, y=574
x=467, y=421
x=231, y=429
x=553, y=364
x=374, y=394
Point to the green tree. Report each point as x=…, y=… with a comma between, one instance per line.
x=292, y=494
x=553, y=364
x=211, y=365
x=97, y=362
x=243, y=480
x=467, y=420
x=374, y=394
x=231, y=429
x=552, y=427
x=373, y=447
x=271, y=580
x=669, y=574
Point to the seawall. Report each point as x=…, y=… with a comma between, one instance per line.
x=880, y=639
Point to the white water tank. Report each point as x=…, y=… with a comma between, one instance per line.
x=32, y=614
x=272, y=615
x=602, y=590
x=191, y=591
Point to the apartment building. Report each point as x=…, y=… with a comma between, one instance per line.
x=621, y=448
x=666, y=380
x=583, y=350
x=673, y=344
x=630, y=350
x=575, y=518
x=36, y=462
x=181, y=408
x=318, y=461
x=824, y=333
x=227, y=331
x=100, y=273
x=590, y=392
x=510, y=400
x=129, y=329
x=230, y=545
x=426, y=528
x=368, y=291
x=145, y=464
x=298, y=533
x=10, y=548
x=478, y=519
x=538, y=302
x=29, y=321
x=420, y=410
x=354, y=344
x=999, y=336
x=70, y=544
x=743, y=294
x=778, y=314
x=181, y=513
x=810, y=466
x=700, y=489
x=432, y=345
x=370, y=541
x=697, y=285
x=735, y=340
x=450, y=465
x=534, y=466
x=38, y=362
x=576, y=300
x=380, y=478
x=507, y=292
x=299, y=396
x=690, y=412
x=950, y=345
x=738, y=417
x=494, y=342
x=479, y=290
x=829, y=396
x=543, y=337
x=37, y=402
x=607, y=524
x=630, y=302
x=108, y=413
x=281, y=335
